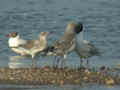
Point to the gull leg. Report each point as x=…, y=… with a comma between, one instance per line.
x=81, y=62
x=33, y=56
x=57, y=61
x=54, y=62
x=87, y=63
x=63, y=61
x=87, y=68
x=34, y=63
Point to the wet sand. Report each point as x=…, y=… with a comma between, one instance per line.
x=56, y=76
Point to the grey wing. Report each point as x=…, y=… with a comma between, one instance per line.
x=65, y=46
x=27, y=47
x=93, y=50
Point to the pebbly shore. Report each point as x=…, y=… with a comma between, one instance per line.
x=57, y=76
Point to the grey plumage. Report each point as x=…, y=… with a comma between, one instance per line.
x=86, y=50
x=72, y=40
x=64, y=45
x=83, y=47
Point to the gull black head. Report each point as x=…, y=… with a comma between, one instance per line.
x=12, y=34
x=78, y=28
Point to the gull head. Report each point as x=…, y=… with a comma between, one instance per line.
x=44, y=33
x=74, y=28
x=78, y=28
x=12, y=35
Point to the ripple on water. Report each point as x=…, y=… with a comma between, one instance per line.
x=100, y=19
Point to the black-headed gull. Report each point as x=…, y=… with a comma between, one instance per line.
x=83, y=47
x=27, y=47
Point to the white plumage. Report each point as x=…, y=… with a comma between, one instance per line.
x=27, y=47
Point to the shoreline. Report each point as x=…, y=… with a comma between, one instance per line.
x=56, y=76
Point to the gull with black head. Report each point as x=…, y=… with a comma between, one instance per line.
x=84, y=48
x=27, y=47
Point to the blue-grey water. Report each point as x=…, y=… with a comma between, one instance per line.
x=101, y=19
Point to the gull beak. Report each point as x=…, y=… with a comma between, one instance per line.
x=51, y=32
x=8, y=35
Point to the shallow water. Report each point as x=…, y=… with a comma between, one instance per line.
x=65, y=87
x=101, y=19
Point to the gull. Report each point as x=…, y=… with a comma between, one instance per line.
x=27, y=47
x=84, y=48
x=65, y=45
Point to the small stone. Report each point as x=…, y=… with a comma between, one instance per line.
x=98, y=73
x=53, y=81
x=69, y=77
x=110, y=82
x=87, y=71
x=85, y=78
x=46, y=69
x=11, y=78
x=113, y=70
x=61, y=82
x=77, y=81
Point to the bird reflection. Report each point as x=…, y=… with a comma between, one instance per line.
x=20, y=62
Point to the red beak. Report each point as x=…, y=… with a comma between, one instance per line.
x=7, y=35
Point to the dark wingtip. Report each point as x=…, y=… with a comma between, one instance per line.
x=50, y=48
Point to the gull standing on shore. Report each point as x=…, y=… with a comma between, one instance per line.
x=84, y=48
x=27, y=47
x=65, y=45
